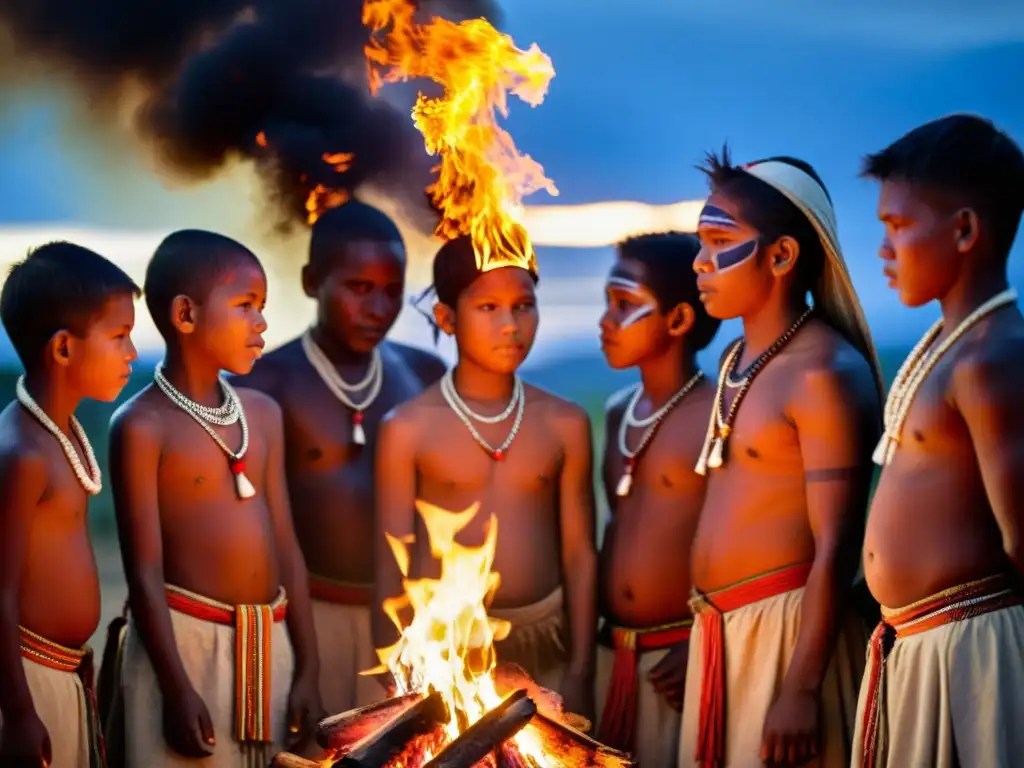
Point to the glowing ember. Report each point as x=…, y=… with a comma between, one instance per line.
x=482, y=178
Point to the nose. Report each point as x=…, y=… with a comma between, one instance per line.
x=702, y=263
x=133, y=353
x=885, y=251
x=260, y=324
x=508, y=322
x=377, y=306
x=605, y=323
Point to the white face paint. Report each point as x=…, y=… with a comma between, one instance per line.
x=647, y=302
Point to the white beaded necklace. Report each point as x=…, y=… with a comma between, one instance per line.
x=374, y=379
x=467, y=415
x=652, y=423
x=91, y=479
x=916, y=368
x=236, y=461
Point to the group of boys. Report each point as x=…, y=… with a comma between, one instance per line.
x=252, y=518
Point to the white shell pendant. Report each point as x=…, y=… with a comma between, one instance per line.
x=242, y=484
x=625, y=484
x=716, y=457
x=881, y=454
x=358, y=433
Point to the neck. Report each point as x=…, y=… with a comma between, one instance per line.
x=195, y=379
x=666, y=374
x=335, y=350
x=763, y=327
x=969, y=293
x=475, y=383
x=52, y=394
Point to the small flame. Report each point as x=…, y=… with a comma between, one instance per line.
x=261, y=139
x=482, y=178
x=321, y=197
x=448, y=646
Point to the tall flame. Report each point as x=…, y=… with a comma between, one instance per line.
x=482, y=178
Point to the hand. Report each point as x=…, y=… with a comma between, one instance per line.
x=188, y=729
x=305, y=710
x=24, y=743
x=578, y=695
x=790, y=734
x=669, y=675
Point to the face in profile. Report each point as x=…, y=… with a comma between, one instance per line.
x=731, y=274
x=919, y=249
x=632, y=326
x=100, y=362
x=495, y=321
x=229, y=324
x=360, y=297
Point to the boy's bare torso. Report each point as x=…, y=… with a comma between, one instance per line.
x=644, y=574
x=330, y=479
x=931, y=525
x=59, y=594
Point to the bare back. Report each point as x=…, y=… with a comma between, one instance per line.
x=213, y=543
x=932, y=524
x=330, y=479
x=644, y=566
x=59, y=590
x=756, y=515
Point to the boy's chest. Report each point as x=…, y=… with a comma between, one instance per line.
x=192, y=456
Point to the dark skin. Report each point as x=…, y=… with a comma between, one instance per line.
x=43, y=515
x=956, y=478
x=330, y=479
x=541, y=493
x=798, y=470
x=180, y=520
x=644, y=563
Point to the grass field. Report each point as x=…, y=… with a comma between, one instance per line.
x=586, y=380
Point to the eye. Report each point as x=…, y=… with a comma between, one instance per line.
x=720, y=241
x=359, y=287
x=524, y=306
x=247, y=305
x=486, y=307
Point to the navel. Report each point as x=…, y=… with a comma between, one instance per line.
x=199, y=480
x=313, y=454
x=752, y=453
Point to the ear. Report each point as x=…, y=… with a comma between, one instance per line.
x=968, y=229
x=183, y=314
x=783, y=255
x=59, y=347
x=681, y=319
x=444, y=316
x=310, y=283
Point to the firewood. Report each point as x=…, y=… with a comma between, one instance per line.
x=288, y=760
x=390, y=739
x=575, y=748
x=343, y=731
x=488, y=733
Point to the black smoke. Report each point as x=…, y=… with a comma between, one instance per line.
x=215, y=74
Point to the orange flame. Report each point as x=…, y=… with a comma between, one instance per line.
x=321, y=197
x=482, y=177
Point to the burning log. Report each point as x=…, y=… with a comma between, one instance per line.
x=288, y=760
x=488, y=733
x=574, y=748
x=344, y=731
x=390, y=739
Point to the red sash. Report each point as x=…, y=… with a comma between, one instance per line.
x=340, y=593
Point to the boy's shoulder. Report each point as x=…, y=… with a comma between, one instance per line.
x=427, y=365
x=142, y=413
x=22, y=453
x=272, y=372
x=258, y=403
x=416, y=410
x=561, y=411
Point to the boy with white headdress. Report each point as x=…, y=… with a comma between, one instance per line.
x=775, y=653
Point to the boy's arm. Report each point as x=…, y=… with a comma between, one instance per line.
x=394, y=514
x=579, y=556
x=987, y=393
x=830, y=414
x=22, y=485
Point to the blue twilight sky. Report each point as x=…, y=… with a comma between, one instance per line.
x=639, y=95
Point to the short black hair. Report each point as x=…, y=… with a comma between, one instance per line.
x=768, y=210
x=58, y=286
x=348, y=223
x=189, y=262
x=668, y=259
x=965, y=156
x=455, y=269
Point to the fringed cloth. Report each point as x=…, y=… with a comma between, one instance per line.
x=339, y=592
x=711, y=608
x=618, y=720
x=77, y=661
x=252, y=625
x=959, y=603
x=537, y=640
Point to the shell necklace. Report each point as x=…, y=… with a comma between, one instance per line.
x=372, y=382
x=236, y=461
x=652, y=423
x=91, y=478
x=467, y=415
x=915, y=370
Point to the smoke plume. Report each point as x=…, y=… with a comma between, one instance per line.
x=278, y=82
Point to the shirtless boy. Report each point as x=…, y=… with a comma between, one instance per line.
x=654, y=322
x=68, y=313
x=334, y=384
x=775, y=653
x=482, y=435
x=944, y=548
x=205, y=529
